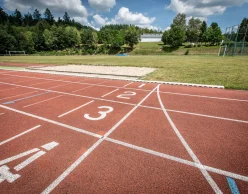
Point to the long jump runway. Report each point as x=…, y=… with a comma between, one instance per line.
x=64, y=134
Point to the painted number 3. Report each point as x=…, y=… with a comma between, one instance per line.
x=103, y=114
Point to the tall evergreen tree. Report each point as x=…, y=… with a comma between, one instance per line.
x=17, y=16
x=3, y=16
x=243, y=30
x=66, y=18
x=36, y=16
x=48, y=16
x=28, y=19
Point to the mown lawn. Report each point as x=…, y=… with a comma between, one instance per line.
x=232, y=72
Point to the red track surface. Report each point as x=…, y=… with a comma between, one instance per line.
x=114, y=137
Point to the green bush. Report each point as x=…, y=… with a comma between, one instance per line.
x=187, y=52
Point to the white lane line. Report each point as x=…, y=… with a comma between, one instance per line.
x=8, y=89
x=18, y=95
x=57, y=181
x=88, y=87
x=109, y=93
x=42, y=101
x=5, y=161
x=119, y=102
x=81, y=89
x=179, y=160
x=187, y=147
x=53, y=122
x=208, y=116
x=125, y=85
x=60, y=85
x=29, y=160
x=23, y=133
x=40, y=83
x=75, y=109
x=142, y=85
x=211, y=169
x=200, y=96
x=233, y=99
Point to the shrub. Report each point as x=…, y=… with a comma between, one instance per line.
x=187, y=52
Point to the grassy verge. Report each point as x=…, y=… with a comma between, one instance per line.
x=228, y=71
x=153, y=48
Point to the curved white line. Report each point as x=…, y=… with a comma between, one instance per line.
x=189, y=150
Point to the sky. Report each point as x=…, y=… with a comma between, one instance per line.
x=152, y=14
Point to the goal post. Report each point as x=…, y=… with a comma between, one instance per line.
x=13, y=53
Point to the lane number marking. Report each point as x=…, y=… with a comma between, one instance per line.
x=103, y=114
x=126, y=95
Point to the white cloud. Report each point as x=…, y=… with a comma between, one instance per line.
x=204, y=8
x=127, y=17
x=168, y=28
x=100, y=20
x=124, y=16
x=102, y=5
x=75, y=8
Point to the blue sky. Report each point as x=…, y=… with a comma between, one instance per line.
x=154, y=14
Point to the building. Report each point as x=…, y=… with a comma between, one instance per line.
x=151, y=37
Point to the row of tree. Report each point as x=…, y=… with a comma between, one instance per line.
x=34, y=32
x=195, y=32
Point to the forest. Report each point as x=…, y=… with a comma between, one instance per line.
x=40, y=32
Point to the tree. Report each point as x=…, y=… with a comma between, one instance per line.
x=8, y=42
x=36, y=16
x=165, y=37
x=214, y=25
x=48, y=16
x=17, y=16
x=28, y=19
x=66, y=18
x=194, y=30
x=132, y=36
x=176, y=36
x=3, y=16
x=243, y=29
x=180, y=21
x=26, y=42
x=203, y=30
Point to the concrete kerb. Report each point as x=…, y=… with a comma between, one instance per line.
x=118, y=78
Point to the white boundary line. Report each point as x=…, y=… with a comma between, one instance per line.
x=42, y=101
x=57, y=181
x=53, y=122
x=18, y=95
x=102, y=99
x=145, y=81
x=179, y=160
x=126, y=85
x=109, y=93
x=174, y=93
x=187, y=147
x=166, y=156
x=75, y=109
x=23, y=133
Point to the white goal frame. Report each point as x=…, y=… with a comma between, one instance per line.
x=17, y=52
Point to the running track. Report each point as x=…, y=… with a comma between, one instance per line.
x=65, y=134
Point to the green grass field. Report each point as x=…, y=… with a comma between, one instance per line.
x=232, y=72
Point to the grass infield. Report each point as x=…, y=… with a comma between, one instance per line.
x=232, y=72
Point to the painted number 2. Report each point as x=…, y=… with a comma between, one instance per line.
x=126, y=95
x=103, y=114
